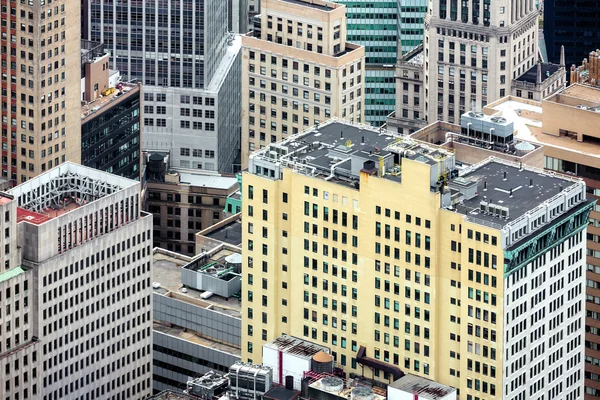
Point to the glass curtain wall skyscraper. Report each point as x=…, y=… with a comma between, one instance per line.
x=383, y=27
x=189, y=66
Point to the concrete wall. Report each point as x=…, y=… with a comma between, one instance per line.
x=211, y=324
x=472, y=155
x=96, y=73
x=562, y=114
x=176, y=359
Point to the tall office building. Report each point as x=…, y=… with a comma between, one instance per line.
x=76, y=288
x=474, y=49
x=298, y=71
x=43, y=64
x=237, y=16
x=190, y=67
x=378, y=247
x=253, y=8
x=574, y=24
x=110, y=116
x=385, y=28
x=566, y=124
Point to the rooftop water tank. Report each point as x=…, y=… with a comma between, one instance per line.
x=322, y=363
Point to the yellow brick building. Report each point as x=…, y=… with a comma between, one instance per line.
x=299, y=71
x=379, y=248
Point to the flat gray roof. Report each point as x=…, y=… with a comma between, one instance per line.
x=230, y=233
x=167, y=272
x=524, y=198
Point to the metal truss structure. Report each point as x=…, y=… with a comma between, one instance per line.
x=65, y=188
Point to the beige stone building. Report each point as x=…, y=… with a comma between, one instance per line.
x=298, y=70
x=567, y=125
x=476, y=53
x=589, y=70
x=408, y=115
x=44, y=86
x=376, y=246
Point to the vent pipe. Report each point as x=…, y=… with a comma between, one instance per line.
x=504, y=176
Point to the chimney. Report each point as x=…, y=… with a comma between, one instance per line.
x=562, y=56
x=539, y=74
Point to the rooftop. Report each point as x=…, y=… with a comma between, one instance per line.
x=230, y=233
x=415, y=56
x=281, y=393
x=123, y=91
x=202, y=179
x=346, y=389
x=295, y=346
x=581, y=92
x=63, y=189
x=424, y=388
x=527, y=118
x=338, y=151
x=316, y=4
x=530, y=76
x=234, y=44
x=5, y=199
x=508, y=186
x=167, y=272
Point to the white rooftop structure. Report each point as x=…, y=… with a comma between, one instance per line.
x=207, y=180
x=49, y=191
x=412, y=387
x=513, y=111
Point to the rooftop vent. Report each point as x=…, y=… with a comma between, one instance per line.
x=475, y=114
x=498, y=120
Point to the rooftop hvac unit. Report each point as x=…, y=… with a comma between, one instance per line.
x=475, y=114
x=504, y=212
x=249, y=380
x=483, y=206
x=491, y=209
x=497, y=211
x=208, y=386
x=498, y=120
